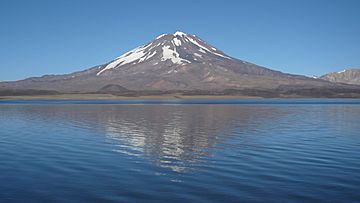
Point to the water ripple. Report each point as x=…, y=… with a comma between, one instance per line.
x=306, y=152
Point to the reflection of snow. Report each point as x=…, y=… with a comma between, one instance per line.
x=172, y=137
x=173, y=143
x=130, y=139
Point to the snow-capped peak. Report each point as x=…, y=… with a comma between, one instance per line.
x=179, y=33
x=178, y=48
x=343, y=71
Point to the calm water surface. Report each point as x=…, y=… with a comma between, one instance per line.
x=180, y=151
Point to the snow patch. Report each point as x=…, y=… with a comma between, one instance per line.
x=206, y=49
x=198, y=55
x=172, y=55
x=199, y=45
x=160, y=36
x=129, y=57
x=172, y=71
x=177, y=41
x=221, y=55
x=147, y=56
x=343, y=71
x=202, y=51
x=172, y=42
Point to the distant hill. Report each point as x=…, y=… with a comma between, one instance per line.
x=350, y=76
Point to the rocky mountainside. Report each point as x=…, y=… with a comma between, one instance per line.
x=171, y=62
x=350, y=76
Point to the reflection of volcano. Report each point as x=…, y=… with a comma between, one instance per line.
x=173, y=136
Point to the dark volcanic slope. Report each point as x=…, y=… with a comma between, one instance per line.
x=170, y=62
x=350, y=76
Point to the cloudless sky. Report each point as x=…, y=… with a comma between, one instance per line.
x=309, y=37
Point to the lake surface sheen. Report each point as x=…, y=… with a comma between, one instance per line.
x=180, y=151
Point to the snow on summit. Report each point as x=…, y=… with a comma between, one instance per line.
x=166, y=47
x=181, y=34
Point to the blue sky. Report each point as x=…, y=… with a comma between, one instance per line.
x=309, y=37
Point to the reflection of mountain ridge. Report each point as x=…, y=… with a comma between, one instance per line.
x=172, y=136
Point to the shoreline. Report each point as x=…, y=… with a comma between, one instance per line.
x=152, y=97
x=114, y=97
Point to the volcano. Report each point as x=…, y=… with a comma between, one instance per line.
x=173, y=62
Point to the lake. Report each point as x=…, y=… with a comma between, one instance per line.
x=266, y=150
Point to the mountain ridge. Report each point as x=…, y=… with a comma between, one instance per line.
x=173, y=62
x=347, y=76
